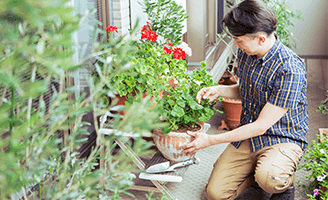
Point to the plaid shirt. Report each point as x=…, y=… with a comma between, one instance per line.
x=279, y=78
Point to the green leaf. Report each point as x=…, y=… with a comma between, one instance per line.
x=181, y=103
x=177, y=111
x=40, y=46
x=195, y=106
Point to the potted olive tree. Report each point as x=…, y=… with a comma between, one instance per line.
x=41, y=125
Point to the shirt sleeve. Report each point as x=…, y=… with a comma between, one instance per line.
x=288, y=85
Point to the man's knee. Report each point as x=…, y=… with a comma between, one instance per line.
x=214, y=193
x=272, y=183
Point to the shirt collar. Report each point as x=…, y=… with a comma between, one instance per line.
x=273, y=49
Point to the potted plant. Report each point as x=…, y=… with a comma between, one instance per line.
x=180, y=110
x=153, y=60
x=143, y=72
x=160, y=42
x=232, y=107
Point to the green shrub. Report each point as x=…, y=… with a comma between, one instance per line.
x=41, y=123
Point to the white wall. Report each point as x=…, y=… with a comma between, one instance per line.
x=311, y=34
x=121, y=16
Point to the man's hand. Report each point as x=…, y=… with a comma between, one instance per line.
x=200, y=140
x=210, y=93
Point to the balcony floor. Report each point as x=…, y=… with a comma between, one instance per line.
x=195, y=179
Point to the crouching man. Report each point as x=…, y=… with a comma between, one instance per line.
x=271, y=136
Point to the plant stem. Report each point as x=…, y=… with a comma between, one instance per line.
x=40, y=190
x=12, y=114
x=29, y=106
x=3, y=95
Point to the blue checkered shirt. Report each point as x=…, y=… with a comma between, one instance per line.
x=279, y=78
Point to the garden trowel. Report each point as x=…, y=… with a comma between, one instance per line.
x=165, y=166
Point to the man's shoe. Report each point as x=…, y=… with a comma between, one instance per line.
x=289, y=194
x=254, y=192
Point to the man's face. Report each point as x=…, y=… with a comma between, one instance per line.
x=249, y=45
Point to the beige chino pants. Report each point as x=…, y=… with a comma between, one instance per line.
x=274, y=169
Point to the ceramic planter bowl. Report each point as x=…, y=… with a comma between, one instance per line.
x=170, y=144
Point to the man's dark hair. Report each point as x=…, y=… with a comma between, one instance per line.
x=249, y=17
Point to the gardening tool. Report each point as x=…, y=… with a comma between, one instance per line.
x=165, y=166
x=160, y=177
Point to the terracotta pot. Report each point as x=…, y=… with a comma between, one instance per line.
x=122, y=99
x=121, y=102
x=228, y=80
x=323, y=132
x=232, y=109
x=172, y=83
x=170, y=144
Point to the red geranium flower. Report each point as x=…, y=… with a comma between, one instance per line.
x=145, y=34
x=153, y=36
x=167, y=50
x=179, y=53
x=112, y=29
x=146, y=27
x=150, y=35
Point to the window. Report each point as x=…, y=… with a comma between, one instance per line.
x=203, y=25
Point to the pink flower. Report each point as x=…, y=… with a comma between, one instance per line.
x=316, y=192
x=112, y=29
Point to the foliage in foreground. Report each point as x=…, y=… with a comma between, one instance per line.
x=37, y=109
x=316, y=162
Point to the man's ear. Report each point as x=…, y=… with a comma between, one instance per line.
x=262, y=39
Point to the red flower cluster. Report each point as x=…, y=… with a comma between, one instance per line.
x=146, y=27
x=167, y=50
x=146, y=32
x=150, y=35
x=112, y=29
x=179, y=53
